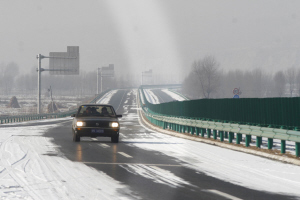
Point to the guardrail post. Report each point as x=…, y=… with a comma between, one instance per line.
x=297, y=145
x=197, y=131
x=238, y=138
x=283, y=146
x=208, y=133
x=215, y=134
x=231, y=136
x=248, y=140
x=270, y=143
x=192, y=130
x=226, y=134
x=202, y=132
x=258, y=141
x=183, y=128
x=221, y=136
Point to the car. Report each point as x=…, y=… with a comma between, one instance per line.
x=96, y=120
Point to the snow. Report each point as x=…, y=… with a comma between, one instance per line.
x=235, y=167
x=173, y=95
x=106, y=98
x=141, y=96
x=150, y=96
x=31, y=167
x=156, y=174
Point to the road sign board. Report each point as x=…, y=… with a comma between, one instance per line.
x=108, y=71
x=64, y=63
x=236, y=91
x=236, y=96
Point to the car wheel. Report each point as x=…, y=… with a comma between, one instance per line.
x=76, y=138
x=115, y=139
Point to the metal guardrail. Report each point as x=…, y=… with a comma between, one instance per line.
x=223, y=130
x=22, y=118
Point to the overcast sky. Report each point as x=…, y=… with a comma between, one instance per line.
x=163, y=35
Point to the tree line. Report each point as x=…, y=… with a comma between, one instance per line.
x=14, y=82
x=207, y=79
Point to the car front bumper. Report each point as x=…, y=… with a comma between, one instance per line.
x=96, y=132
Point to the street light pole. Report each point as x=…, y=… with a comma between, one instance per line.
x=98, y=80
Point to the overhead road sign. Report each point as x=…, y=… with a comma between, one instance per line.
x=64, y=63
x=60, y=63
x=108, y=71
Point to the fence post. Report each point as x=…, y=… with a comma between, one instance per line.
x=208, y=133
x=193, y=130
x=238, y=138
x=297, y=144
x=258, y=141
x=221, y=136
x=202, y=132
x=270, y=143
x=226, y=134
x=215, y=134
x=197, y=131
x=283, y=146
x=231, y=136
x=248, y=140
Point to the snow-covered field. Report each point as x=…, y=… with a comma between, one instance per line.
x=28, y=104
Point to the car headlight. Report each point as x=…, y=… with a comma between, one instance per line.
x=114, y=124
x=80, y=123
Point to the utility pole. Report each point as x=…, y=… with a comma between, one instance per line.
x=98, y=69
x=39, y=70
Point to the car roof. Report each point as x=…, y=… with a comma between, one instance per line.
x=95, y=104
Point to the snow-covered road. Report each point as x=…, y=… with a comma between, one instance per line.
x=33, y=167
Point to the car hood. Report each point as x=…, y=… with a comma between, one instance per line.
x=97, y=119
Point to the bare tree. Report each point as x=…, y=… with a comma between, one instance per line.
x=290, y=75
x=207, y=72
x=279, y=83
x=8, y=76
x=190, y=87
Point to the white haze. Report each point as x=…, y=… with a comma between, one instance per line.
x=166, y=36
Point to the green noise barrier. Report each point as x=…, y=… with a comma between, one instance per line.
x=271, y=118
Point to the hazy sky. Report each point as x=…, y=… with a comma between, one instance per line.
x=163, y=35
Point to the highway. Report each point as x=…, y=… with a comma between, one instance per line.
x=148, y=174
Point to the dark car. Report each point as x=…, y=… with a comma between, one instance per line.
x=96, y=120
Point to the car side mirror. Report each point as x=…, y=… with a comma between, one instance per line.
x=73, y=115
x=119, y=116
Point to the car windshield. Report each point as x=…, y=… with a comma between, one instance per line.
x=96, y=110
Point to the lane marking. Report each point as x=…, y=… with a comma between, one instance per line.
x=223, y=194
x=104, y=163
x=124, y=154
x=104, y=145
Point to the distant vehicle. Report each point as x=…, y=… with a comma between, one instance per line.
x=96, y=120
